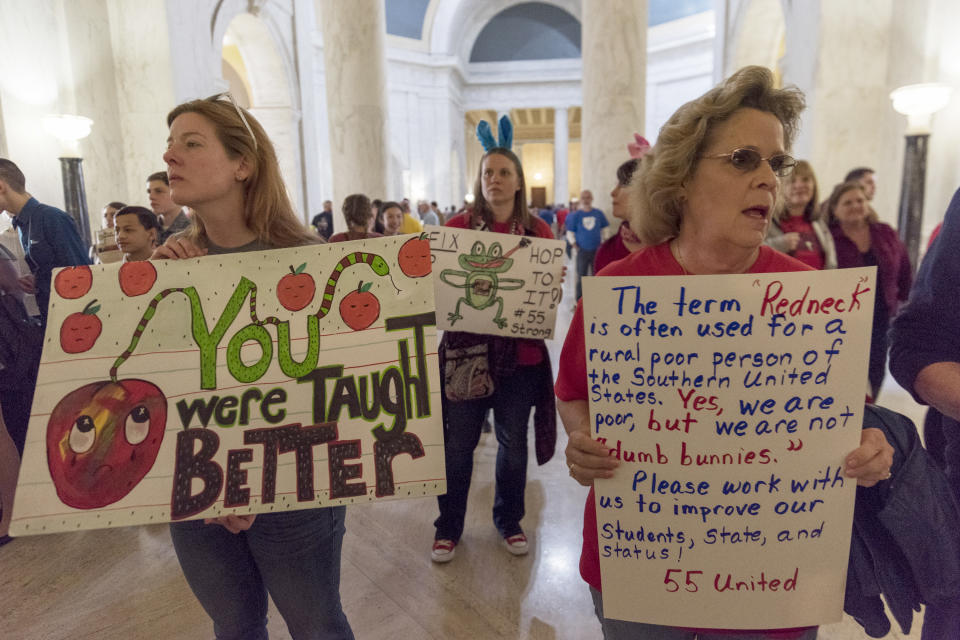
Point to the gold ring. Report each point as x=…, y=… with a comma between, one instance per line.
x=571, y=465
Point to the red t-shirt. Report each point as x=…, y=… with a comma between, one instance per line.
x=528, y=351
x=808, y=250
x=572, y=376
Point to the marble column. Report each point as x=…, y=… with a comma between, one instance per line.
x=561, y=142
x=614, y=52
x=356, y=97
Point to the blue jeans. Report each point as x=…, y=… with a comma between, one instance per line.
x=623, y=630
x=293, y=555
x=512, y=400
x=584, y=267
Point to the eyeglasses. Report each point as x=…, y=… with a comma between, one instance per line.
x=749, y=159
x=229, y=97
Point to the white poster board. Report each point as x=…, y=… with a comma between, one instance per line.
x=731, y=402
x=496, y=283
x=240, y=383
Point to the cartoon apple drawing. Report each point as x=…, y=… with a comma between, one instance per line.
x=73, y=282
x=136, y=278
x=102, y=439
x=295, y=290
x=80, y=330
x=360, y=308
x=414, y=257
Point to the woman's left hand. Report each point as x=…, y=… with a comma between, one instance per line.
x=233, y=524
x=871, y=461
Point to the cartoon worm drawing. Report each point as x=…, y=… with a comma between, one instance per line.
x=378, y=264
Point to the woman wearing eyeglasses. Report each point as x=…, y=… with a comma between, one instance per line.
x=862, y=241
x=798, y=228
x=221, y=163
x=706, y=196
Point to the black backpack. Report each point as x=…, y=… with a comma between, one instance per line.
x=21, y=343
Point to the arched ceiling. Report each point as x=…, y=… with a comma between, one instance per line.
x=528, y=31
x=405, y=17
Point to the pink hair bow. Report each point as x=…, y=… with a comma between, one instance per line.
x=639, y=148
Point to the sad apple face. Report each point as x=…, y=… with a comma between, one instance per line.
x=102, y=439
x=136, y=278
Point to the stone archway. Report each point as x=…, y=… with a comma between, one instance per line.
x=256, y=69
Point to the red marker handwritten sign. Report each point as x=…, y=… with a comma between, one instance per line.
x=240, y=383
x=731, y=402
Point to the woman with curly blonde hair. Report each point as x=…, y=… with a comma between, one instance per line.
x=704, y=203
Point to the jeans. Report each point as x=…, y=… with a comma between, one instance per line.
x=623, y=630
x=584, y=267
x=512, y=400
x=293, y=555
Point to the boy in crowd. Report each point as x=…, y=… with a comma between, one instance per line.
x=137, y=232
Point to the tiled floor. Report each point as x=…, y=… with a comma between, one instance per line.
x=126, y=583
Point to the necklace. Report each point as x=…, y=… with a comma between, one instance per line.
x=675, y=250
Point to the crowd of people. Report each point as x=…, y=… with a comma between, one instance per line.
x=717, y=194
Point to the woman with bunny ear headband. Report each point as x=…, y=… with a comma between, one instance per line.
x=509, y=375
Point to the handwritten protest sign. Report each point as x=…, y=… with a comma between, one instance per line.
x=731, y=402
x=495, y=283
x=239, y=383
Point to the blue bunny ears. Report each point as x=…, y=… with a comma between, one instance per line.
x=485, y=135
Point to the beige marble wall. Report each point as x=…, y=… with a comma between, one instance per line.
x=144, y=91
x=614, y=82
x=356, y=95
x=34, y=82
x=104, y=59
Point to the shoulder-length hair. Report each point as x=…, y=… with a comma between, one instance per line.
x=838, y=192
x=481, y=208
x=267, y=210
x=812, y=209
x=658, y=194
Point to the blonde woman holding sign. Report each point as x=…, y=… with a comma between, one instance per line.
x=706, y=196
x=221, y=164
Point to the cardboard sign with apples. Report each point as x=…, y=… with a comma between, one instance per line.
x=239, y=383
x=496, y=283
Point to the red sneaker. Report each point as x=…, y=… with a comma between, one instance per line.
x=442, y=550
x=517, y=544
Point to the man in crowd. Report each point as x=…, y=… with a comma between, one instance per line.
x=172, y=217
x=585, y=233
x=48, y=235
x=427, y=214
x=866, y=177
x=323, y=221
x=137, y=232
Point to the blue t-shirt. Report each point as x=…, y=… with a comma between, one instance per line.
x=547, y=216
x=587, y=227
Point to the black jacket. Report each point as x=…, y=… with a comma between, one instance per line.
x=906, y=534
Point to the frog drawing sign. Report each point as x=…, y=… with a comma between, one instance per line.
x=496, y=284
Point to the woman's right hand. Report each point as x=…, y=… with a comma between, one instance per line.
x=177, y=248
x=791, y=241
x=587, y=459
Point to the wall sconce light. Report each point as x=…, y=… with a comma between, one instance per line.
x=918, y=102
x=469, y=198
